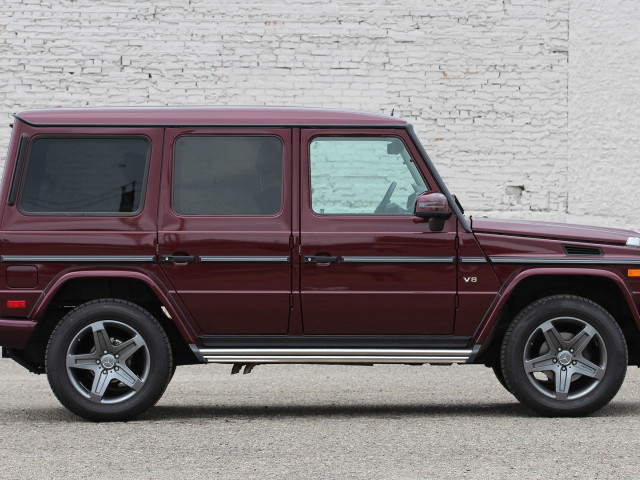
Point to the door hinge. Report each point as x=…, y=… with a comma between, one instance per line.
x=291, y=242
x=457, y=242
x=457, y=301
x=290, y=301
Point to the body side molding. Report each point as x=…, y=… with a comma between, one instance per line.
x=473, y=260
x=244, y=258
x=564, y=260
x=356, y=259
x=77, y=258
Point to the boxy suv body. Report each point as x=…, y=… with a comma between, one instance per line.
x=137, y=239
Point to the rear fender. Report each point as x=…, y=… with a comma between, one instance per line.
x=176, y=313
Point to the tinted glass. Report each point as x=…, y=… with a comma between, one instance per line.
x=227, y=175
x=363, y=176
x=85, y=175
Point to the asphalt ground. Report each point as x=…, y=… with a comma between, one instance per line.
x=318, y=422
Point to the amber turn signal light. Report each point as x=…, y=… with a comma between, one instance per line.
x=633, y=272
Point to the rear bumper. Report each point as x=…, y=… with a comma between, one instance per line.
x=15, y=333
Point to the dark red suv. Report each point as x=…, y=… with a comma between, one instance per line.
x=137, y=239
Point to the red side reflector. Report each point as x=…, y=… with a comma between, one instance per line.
x=16, y=304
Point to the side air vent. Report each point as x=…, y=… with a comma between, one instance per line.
x=582, y=250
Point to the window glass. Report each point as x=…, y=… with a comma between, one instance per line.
x=228, y=175
x=85, y=176
x=363, y=176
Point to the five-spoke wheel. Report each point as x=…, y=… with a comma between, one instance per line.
x=564, y=355
x=108, y=360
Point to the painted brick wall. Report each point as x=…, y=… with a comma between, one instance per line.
x=604, y=111
x=485, y=82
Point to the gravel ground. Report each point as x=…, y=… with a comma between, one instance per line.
x=318, y=422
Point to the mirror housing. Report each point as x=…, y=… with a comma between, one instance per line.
x=434, y=207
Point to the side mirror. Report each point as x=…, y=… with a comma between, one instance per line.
x=435, y=208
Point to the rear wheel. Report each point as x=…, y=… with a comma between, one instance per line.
x=108, y=360
x=564, y=356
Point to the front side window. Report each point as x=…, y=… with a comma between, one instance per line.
x=363, y=176
x=85, y=176
x=228, y=175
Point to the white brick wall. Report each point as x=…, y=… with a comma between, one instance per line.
x=604, y=110
x=514, y=127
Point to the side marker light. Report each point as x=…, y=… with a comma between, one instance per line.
x=16, y=304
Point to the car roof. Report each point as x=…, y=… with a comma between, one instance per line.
x=204, y=116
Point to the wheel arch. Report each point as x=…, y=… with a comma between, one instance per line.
x=604, y=287
x=75, y=287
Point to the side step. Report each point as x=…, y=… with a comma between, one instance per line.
x=335, y=355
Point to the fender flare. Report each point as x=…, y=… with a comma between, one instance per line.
x=486, y=327
x=148, y=278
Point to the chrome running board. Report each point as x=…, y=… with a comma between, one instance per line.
x=334, y=355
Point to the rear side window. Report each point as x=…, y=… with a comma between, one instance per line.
x=228, y=175
x=85, y=176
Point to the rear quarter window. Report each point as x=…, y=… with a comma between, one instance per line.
x=85, y=176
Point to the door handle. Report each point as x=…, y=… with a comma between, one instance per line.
x=326, y=259
x=177, y=258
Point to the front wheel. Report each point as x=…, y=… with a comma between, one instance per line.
x=564, y=356
x=497, y=370
x=108, y=360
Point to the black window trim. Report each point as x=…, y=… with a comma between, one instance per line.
x=145, y=178
x=17, y=169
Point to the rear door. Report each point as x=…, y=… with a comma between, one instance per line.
x=369, y=267
x=225, y=225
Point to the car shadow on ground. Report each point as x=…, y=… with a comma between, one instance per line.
x=372, y=411
x=223, y=412
x=354, y=411
x=181, y=412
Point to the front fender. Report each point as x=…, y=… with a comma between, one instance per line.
x=489, y=322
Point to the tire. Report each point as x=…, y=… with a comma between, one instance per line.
x=497, y=370
x=108, y=360
x=564, y=356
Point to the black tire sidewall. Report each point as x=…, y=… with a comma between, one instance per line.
x=535, y=315
x=132, y=315
x=497, y=370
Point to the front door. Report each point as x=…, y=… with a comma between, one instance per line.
x=369, y=267
x=225, y=226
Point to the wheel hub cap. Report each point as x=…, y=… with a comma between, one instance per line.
x=108, y=361
x=565, y=357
